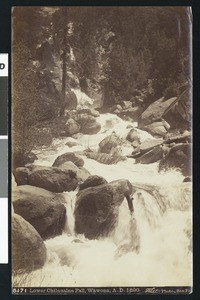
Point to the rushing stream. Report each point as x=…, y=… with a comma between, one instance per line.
x=162, y=225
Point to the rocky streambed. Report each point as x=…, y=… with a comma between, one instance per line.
x=71, y=211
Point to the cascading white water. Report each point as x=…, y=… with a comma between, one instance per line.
x=161, y=223
x=70, y=205
x=164, y=257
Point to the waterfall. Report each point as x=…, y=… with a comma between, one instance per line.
x=164, y=237
x=70, y=205
x=150, y=248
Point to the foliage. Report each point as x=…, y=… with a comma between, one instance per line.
x=129, y=48
x=32, y=89
x=116, y=51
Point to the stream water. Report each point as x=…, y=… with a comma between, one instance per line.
x=162, y=224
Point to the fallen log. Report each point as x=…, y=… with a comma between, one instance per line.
x=180, y=140
x=187, y=137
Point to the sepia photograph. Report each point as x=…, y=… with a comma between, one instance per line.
x=101, y=150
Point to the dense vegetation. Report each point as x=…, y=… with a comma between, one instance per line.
x=115, y=52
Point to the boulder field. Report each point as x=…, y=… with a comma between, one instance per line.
x=65, y=174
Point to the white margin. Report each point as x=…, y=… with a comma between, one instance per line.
x=4, y=61
x=3, y=230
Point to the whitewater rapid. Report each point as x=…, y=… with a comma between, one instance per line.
x=162, y=218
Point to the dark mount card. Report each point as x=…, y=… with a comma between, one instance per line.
x=4, y=158
x=3, y=103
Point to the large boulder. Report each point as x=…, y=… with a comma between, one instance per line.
x=21, y=175
x=88, y=124
x=110, y=142
x=180, y=116
x=158, y=128
x=53, y=179
x=157, y=110
x=104, y=158
x=44, y=210
x=28, y=249
x=81, y=172
x=69, y=156
x=178, y=156
x=133, y=136
x=72, y=127
x=148, y=144
x=151, y=156
x=92, y=180
x=97, y=208
x=92, y=128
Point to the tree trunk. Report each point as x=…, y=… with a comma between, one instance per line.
x=64, y=67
